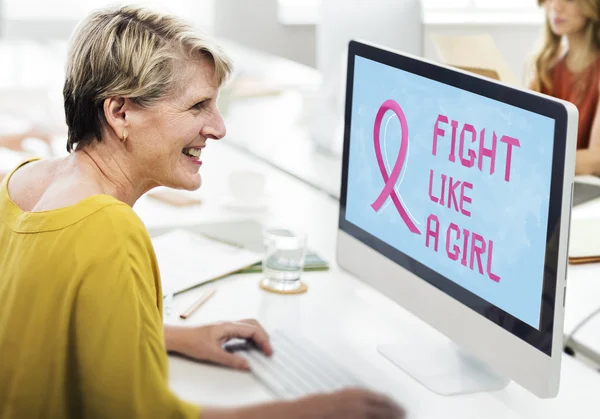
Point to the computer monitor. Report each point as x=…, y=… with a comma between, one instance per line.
x=395, y=23
x=455, y=203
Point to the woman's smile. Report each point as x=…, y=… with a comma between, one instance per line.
x=193, y=154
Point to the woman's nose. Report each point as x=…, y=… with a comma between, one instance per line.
x=215, y=129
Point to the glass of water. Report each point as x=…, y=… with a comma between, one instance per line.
x=283, y=260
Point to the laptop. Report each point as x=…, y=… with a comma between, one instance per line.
x=584, y=192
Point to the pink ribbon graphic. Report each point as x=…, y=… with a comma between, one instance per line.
x=390, y=181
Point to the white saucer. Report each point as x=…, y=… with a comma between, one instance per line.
x=234, y=204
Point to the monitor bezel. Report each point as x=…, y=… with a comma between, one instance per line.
x=541, y=339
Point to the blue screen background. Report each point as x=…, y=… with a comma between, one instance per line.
x=513, y=214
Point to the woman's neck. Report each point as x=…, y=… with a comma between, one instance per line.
x=112, y=176
x=580, y=53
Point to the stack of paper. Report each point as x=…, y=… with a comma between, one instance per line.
x=475, y=53
x=584, y=241
x=186, y=259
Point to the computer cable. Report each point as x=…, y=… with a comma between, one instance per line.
x=582, y=323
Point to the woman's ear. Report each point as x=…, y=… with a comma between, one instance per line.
x=115, y=112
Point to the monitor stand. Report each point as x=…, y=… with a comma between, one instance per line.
x=444, y=368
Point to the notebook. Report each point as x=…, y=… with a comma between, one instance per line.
x=584, y=192
x=584, y=241
x=246, y=234
x=186, y=259
x=312, y=262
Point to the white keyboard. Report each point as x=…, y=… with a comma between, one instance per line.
x=296, y=368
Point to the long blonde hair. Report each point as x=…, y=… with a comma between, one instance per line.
x=551, y=49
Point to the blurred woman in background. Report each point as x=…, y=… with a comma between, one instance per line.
x=568, y=67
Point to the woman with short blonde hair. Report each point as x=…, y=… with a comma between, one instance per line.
x=81, y=330
x=568, y=67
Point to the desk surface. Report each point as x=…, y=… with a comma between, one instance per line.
x=347, y=319
x=339, y=313
x=272, y=129
x=285, y=143
x=583, y=292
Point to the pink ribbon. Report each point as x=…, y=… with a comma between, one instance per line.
x=390, y=181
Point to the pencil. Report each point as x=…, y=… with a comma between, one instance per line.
x=203, y=298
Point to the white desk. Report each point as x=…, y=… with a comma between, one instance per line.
x=272, y=129
x=275, y=128
x=339, y=313
x=587, y=340
x=583, y=292
x=283, y=141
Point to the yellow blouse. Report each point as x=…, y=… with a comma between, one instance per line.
x=81, y=333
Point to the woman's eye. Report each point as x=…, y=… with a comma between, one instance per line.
x=200, y=105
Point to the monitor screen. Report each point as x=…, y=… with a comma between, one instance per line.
x=455, y=186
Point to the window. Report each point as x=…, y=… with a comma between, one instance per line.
x=436, y=11
x=516, y=5
x=298, y=12
x=22, y=17
x=445, y=4
x=76, y=9
x=482, y=12
x=520, y=5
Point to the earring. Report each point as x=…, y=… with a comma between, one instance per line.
x=124, y=137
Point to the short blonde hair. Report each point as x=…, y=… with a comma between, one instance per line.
x=129, y=52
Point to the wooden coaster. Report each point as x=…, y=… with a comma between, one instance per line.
x=300, y=290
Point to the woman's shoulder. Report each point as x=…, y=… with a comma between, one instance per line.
x=116, y=221
x=115, y=236
x=25, y=179
x=66, y=201
x=559, y=64
x=596, y=63
x=34, y=186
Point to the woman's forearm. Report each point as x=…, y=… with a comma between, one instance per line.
x=588, y=162
x=173, y=338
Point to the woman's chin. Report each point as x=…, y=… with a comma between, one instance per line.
x=194, y=183
x=563, y=30
x=188, y=182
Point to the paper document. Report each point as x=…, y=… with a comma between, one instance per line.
x=186, y=259
x=584, y=241
x=475, y=53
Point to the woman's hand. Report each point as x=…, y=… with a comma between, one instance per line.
x=343, y=404
x=205, y=342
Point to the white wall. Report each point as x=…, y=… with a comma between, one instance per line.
x=44, y=20
x=254, y=23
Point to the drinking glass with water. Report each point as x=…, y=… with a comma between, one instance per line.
x=283, y=261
